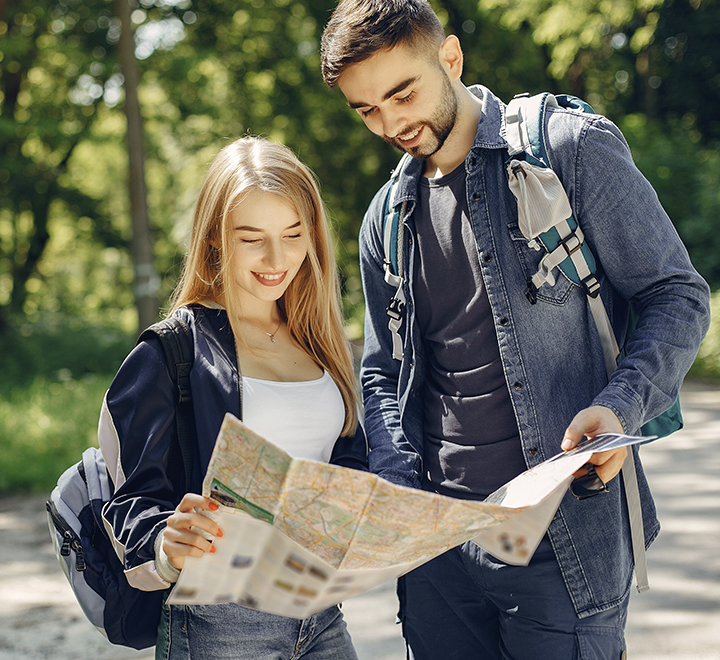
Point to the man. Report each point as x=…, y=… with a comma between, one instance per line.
x=489, y=384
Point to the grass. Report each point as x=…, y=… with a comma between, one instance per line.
x=53, y=376
x=44, y=429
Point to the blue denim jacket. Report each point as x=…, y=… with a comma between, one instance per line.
x=550, y=351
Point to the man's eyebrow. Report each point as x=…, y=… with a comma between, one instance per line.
x=395, y=90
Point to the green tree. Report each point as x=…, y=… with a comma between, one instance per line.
x=53, y=77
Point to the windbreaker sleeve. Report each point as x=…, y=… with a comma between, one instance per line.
x=351, y=451
x=136, y=429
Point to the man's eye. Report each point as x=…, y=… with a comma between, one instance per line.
x=366, y=113
x=406, y=99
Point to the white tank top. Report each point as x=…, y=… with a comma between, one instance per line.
x=305, y=418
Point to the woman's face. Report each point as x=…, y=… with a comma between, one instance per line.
x=269, y=245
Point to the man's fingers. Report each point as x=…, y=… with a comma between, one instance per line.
x=609, y=463
x=590, y=422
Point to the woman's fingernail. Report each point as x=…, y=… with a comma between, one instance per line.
x=214, y=506
x=213, y=550
x=220, y=533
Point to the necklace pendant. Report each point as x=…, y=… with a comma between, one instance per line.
x=272, y=338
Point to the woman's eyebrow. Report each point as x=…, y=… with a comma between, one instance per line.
x=258, y=229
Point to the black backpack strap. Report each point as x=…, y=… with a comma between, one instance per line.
x=176, y=338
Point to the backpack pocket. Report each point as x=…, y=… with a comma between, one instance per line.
x=71, y=555
x=124, y=615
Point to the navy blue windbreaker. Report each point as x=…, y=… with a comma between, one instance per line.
x=136, y=428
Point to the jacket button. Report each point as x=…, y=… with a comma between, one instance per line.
x=518, y=385
x=471, y=161
x=533, y=451
x=504, y=320
x=487, y=257
x=476, y=196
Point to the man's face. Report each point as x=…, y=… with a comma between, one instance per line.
x=404, y=98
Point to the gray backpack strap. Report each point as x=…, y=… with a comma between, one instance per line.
x=637, y=529
x=393, y=258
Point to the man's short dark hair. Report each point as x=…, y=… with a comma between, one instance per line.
x=358, y=29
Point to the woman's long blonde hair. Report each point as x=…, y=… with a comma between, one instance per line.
x=311, y=303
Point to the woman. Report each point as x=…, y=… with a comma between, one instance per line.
x=260, y=292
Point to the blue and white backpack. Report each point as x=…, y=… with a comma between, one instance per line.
x=125, y=615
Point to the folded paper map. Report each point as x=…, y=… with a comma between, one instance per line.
x=300, y=535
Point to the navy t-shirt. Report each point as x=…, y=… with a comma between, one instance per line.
x=471, y=444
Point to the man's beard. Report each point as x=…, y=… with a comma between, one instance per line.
x=440, y=124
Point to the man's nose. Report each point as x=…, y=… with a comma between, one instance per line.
x=391, y=123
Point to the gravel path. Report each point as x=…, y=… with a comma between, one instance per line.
x=678, y=618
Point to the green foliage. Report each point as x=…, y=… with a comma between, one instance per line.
x=53, y=74
x=53, y=376
x=707, y=364
x=216, y=69
x=58, y=348
x=685, y=172
x=44, y=428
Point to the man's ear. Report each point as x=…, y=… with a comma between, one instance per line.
x=451, y=57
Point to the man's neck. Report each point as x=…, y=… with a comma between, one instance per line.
x=460, y=141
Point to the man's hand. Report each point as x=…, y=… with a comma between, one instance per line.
x=591, y=422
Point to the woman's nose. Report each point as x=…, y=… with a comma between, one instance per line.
x=274, y=254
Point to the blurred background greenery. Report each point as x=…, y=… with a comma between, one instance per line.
x=211, y=70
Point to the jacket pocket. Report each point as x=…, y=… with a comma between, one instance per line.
x=529, y=259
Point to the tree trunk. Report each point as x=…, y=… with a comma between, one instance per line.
x=146, y=280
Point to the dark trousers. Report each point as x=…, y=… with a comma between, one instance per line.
x=467, y=605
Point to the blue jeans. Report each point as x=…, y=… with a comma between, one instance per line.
x=466, y=605
x=232, y=632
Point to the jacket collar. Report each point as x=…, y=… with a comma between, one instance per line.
x=488, y=136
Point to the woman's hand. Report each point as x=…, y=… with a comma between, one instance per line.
x=188, y=530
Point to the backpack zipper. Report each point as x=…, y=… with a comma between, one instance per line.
x=71, y=541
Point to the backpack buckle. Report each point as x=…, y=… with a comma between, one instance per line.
x=531, y=292
x=395, y=308
x=517, y=170
x=592, y=286
x=571, y=243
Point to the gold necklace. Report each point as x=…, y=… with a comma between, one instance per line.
x=269, y=334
